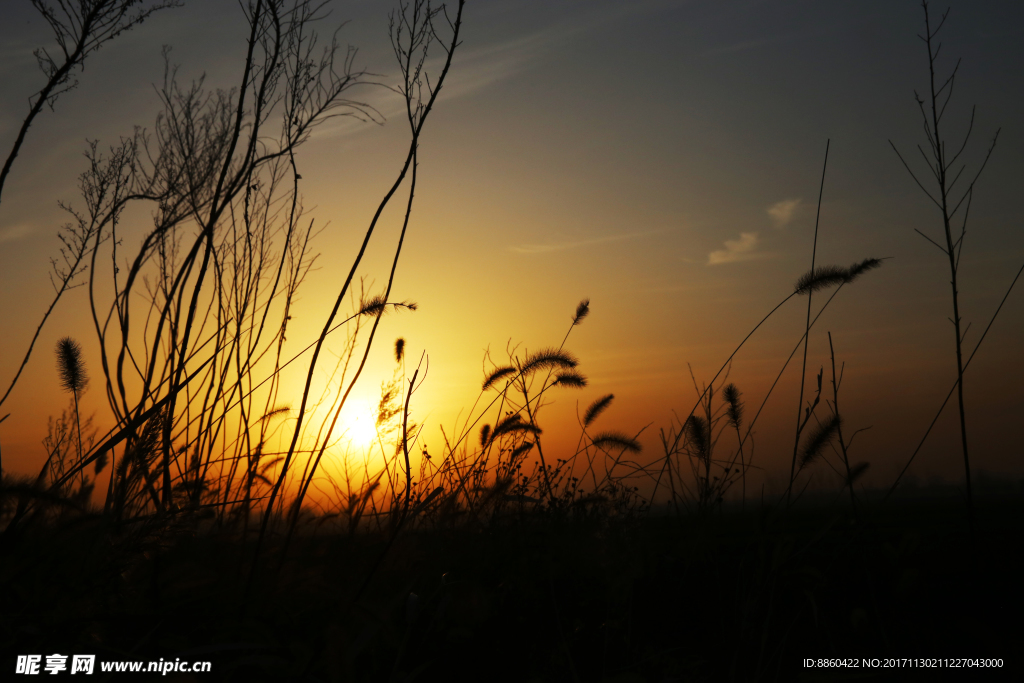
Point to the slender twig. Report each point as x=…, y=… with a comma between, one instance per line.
x=803, y=368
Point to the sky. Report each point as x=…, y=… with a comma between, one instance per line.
x=661, y=157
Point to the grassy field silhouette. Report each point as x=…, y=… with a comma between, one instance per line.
x=230, y=527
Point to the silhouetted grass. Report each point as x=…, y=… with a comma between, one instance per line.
x=495, y=558
x=487, y=567
x=731, y=597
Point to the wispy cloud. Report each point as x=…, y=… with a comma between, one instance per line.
x=14, y=233
x=488, y=64
x=782, y=212
x=478, y=68
x=743, y=249
x=475, y=70
x=491, y=63
x=561, y=246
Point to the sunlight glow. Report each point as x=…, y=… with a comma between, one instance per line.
x=360, y=423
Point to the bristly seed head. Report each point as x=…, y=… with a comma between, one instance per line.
x=830, y=276
x=818, y=439
x=378, y=305
x=71, y=366
x=735, y=410
x=498, y=374
x=549, y=359
x=570, y=378
x=581, y=311
x=697, y=431
x=821, y=278
x=616, y=440
x=596, y=408
x=513, y=424
x=855, y=271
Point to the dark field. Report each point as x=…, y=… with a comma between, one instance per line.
x=222, y=510
x=589, y=597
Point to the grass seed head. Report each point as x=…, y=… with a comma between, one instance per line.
x=497, y=375
x=857, y=269
x=616, y=440
x=71, y=366
x=570, y=378
x=820, y=437
x=697, y=431
x=549, y=359
x=596, y=408
x=582, y=309
x=735, y=410
x=821, y=278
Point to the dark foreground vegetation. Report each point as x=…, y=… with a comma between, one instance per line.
x=230, y=528
x=596, y=596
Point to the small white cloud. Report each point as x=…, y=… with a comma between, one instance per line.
x=782, y=212
x=14, y=233
x=736, y=250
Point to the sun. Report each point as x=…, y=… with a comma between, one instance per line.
x=360, y=424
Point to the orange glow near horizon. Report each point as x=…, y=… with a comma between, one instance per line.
x=572, y=153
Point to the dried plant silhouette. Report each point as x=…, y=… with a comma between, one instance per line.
x=949, y=200
x=810, y=291
x=80, y=29
x=239, y=522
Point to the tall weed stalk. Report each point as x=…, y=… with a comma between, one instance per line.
x=949, y=201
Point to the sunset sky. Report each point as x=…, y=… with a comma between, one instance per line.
x=661, y=157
